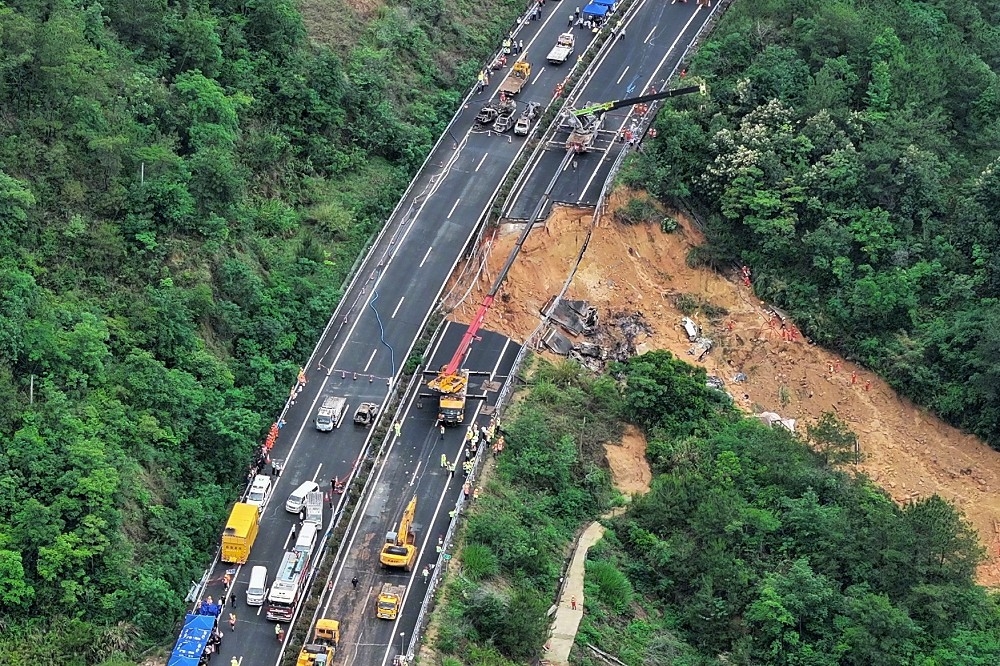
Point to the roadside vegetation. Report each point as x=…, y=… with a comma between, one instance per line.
x=752, y=547
x=847, y=153
x=183, y=190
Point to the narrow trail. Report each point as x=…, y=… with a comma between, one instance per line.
x=566, y=620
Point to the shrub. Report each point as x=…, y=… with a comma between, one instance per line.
x=613, y=589
x=479, y=562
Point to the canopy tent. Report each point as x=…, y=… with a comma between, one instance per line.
x=192, y=641
x=595, y=10
x=606, y=3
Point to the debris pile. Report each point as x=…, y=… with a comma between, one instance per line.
x=615, y=340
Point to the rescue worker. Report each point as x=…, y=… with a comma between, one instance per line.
x=444, y=460
x=426, y=574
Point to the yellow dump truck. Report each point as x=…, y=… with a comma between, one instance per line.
x=390, y=600
x=320, y=651
x=240, y=532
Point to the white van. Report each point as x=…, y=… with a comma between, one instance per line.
x=307, y=538
x=298, y=497
x=258, y=586
x=260, y=490
x=692, y=329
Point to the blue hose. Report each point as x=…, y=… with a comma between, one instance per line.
x=381, y=333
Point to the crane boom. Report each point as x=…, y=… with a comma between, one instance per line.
x=604, y=107
x=451, y=381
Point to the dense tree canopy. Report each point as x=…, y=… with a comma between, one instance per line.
x=751, y=549
x=183, y=188
x=848, y=154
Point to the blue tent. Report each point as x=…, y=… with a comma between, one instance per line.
x=606, y=3
x=192, y=641
x=595, y=10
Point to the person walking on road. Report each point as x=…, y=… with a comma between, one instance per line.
x=232, y=621
x=451, y=470
x=572, y=603
x=354, y=582
x=621, y=35
x=426, y=574
x=442, y=431
x=234, y=662
x=398, y=428
x=444, y=460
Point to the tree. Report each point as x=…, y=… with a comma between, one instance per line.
x=834, y=441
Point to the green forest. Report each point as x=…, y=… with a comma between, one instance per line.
x=184, y=188
x=847, y=153
x=750, y=548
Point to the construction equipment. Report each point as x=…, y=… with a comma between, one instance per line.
x=587, y=122
x=563, y=49
x=365, y=414
x=399, y=549
x=320, y=651
x=517, y=78
x=240, y=533
x=389, y=601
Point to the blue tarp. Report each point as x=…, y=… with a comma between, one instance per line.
x=595, y=10
x=192, y=641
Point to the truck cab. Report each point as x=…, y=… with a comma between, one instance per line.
x=563, y=49
x=390, y=599
x=330, y=413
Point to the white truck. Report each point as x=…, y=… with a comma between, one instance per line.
x=563, y=49
x=313, y=509
x=330, y=413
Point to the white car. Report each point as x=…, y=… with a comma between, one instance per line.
x=260, y=490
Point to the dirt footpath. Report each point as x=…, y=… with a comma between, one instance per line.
x=641, y=272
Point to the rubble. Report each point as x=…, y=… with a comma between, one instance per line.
x=574, y=316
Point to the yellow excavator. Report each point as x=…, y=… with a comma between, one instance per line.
x=399, y=549
x=323, y=646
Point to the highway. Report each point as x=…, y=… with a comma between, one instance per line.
x=411, y=467
x=656, y=36
x=373, y=331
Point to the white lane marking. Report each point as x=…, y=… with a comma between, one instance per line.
x=539, y=74
x=397, y=307
x=370, y=359
x=649, y=36
x=622, y=76
x=416, y=470
x=649, y=82
x=356, y=520
x=481, y=161
x=316, y=475
x=453, y=208
x=425, y=256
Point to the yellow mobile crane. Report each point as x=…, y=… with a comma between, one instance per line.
x=399, y=549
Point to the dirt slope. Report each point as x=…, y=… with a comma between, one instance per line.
x=638, y=269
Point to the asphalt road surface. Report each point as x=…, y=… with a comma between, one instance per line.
x=371, y=334
x=411, y=467
x=656, y=35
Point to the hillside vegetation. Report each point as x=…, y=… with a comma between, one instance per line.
x=750, y=548
x=183, y=189
x=848, y=155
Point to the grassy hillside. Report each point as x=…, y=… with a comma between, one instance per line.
x=183, y=189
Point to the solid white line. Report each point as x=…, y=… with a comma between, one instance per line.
x=370, y=359
x=397, y=307
x=539, y=75
x=646, y=41
x=425, y=256
x=316, y=475
x=481, y=161
x=356, y=527
x=453, y=208
x=652, y=78
x=622, y=76
x=416, y=470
